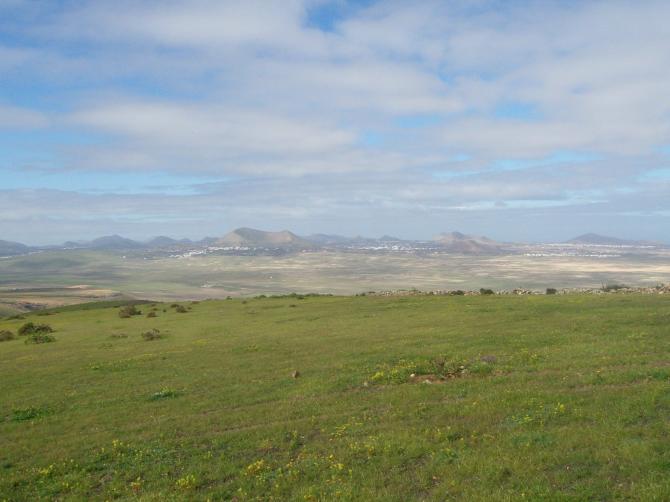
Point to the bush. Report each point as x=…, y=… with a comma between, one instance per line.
x=551, y=291
x=151, y=314
x=458, y=292
x=486, y=291
x=164, y=393
x=6, y=336
x=40, y=338
x=30, y=328
x=15, y=317
x=128, y=311
x=23, y=414
x=153, y=334
x=180, y=309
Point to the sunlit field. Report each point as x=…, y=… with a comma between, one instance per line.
x=340, y=398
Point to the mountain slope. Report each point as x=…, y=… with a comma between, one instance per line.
x=456, y=242
x=249, y=237
x=113, y=242
x=8, y=248
x=604, y=240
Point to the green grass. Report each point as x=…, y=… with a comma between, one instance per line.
x=547, y=398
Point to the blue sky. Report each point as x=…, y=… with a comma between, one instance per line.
x=523, y=120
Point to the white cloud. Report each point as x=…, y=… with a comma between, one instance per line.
x=13, y=117
x=369, y=109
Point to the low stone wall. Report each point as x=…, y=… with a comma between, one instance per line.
x=607, y=290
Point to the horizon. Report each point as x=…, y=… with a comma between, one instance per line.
x=525, y=121
x=435, y=235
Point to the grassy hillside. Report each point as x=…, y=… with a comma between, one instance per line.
x=537, y=398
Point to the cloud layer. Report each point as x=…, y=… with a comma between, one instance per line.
x=310, y=113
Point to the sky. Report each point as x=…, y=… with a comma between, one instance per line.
x=520, y=120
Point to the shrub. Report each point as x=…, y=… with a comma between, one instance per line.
x=40, y=338
x=551, y=291
x=15, y=317
x=486, y=291
x=6, y=336
x=128, y=311
x=458, y=292
x=151, y=314
x=180, y=309
x=164, y=393
x=23, y=414
x=153, y=334
x=30, y=328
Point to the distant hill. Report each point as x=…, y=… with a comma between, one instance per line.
x=604, y=240
x=8, y=248
x=456, y=242
x=166, y=242
x=249, y=237
x=113, y=242
x=327, y=239
x=106, y=243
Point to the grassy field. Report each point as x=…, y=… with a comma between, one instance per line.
x=530, y=398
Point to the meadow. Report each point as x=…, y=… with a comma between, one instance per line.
x=341, y=398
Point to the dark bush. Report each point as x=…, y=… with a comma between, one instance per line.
x=151, y=314
x=30, y=328
x=40, y=338
x=180, y=309
x=551, y=291
x=458, y=292
x=153, y=334
x=486, y=291
x=23, y=414
x=164, y=393
x=6, y=336
x=128, y=311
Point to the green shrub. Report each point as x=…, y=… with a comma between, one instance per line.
x=458, y=292
x=30, y=328
x=486, y=291
x=180, y=309
x=40, y=338
x=164, y=393
x=551, y=291
x=6, y=336
x=128, y=311
x=23, y=414
x=151, y=314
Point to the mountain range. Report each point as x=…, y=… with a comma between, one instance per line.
x=454, y=242
x=603, y=240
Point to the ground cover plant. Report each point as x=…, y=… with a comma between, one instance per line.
x=559, y=397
